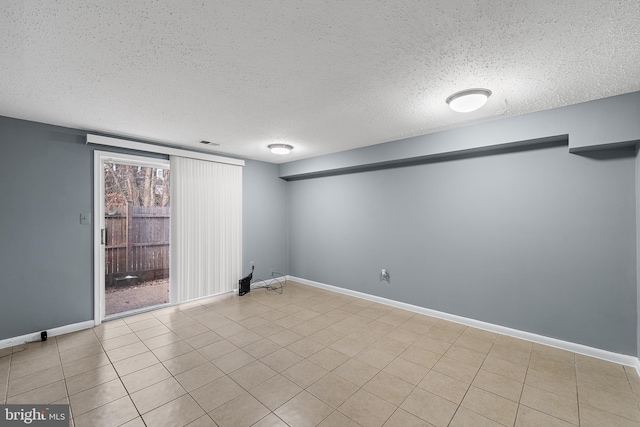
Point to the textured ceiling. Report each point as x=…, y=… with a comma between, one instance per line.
x=322, y=76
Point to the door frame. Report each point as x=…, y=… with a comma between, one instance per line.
x=99, y=158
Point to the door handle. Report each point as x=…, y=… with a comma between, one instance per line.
x=103, y=236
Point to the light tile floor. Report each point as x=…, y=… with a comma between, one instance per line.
x=312, y=357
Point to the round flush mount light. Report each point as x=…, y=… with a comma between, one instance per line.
x=280, y=148
x=468, y=100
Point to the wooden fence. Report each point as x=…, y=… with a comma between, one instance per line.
x=137, y=243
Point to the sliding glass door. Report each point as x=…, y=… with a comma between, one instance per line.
x=133, y=257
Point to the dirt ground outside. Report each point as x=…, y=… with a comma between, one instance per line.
x=144, y=294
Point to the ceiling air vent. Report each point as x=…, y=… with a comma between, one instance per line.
x=213, y=144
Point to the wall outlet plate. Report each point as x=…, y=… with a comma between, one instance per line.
x=85, y=218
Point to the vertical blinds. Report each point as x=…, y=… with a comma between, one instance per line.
x=206, y=228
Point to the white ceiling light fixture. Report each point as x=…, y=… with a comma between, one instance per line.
x=468, y=100
x=280, y=148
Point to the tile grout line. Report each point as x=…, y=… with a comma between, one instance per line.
x=398, y=407
x=474, y=377
x=575, y=369
x=266, y=321
x=359, y=387
x=208, y=361
x=160, y=362
x=382, y=370
x=6, y=391
x=280, y=373
x=171, y=373
x=174, y=376
x=631, y=387
x=555, y=394
x=64, y=379
x=417, y=385
x=524, y=383
x=119, y=378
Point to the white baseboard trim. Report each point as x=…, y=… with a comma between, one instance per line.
x=637, y=366
x=609, y=356
x=35, y=336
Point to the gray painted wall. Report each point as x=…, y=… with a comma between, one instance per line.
x=46, y=255
x=264, y=220
x=539, y=240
